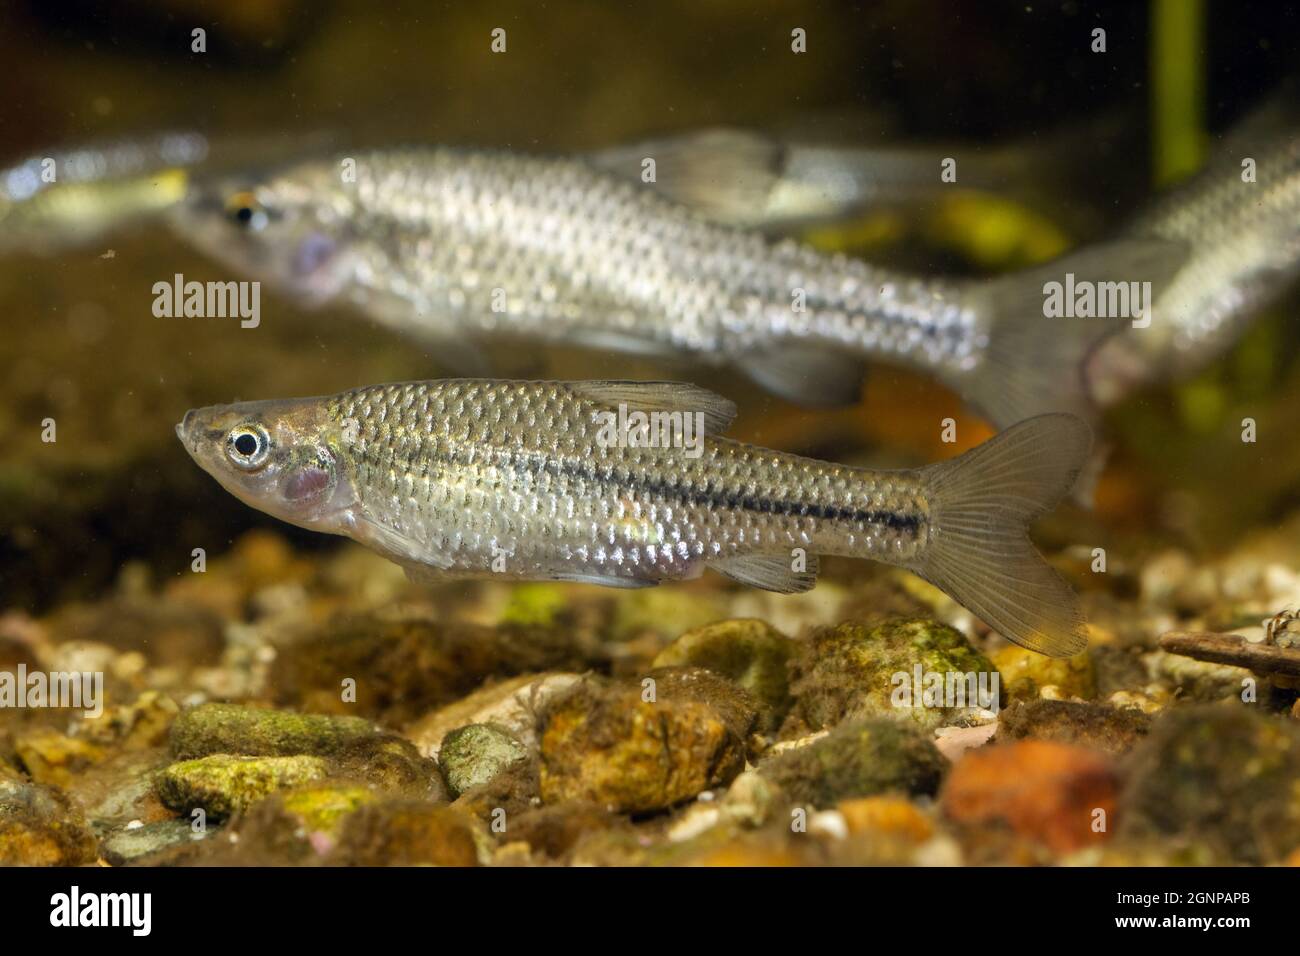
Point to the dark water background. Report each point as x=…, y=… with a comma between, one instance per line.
x=79, y=342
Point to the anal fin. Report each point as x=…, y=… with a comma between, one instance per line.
x=602, y=580
x=425, y=574
x=771, y=572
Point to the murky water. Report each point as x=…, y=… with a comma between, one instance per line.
x=283, y=681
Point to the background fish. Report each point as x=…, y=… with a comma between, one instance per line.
x=744, y=178
x=103, y=188
x=469, y=477
x=96, y=188
x=833, y=167
x=446, y=244
x=1244, y=252
x=1243, y=238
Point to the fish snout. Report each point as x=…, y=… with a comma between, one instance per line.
x=185, y=431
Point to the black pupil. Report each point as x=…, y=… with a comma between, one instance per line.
x=246, y=444
x=244, y=213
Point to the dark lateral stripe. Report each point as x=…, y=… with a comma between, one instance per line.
x=670, y=489
x=531, y=463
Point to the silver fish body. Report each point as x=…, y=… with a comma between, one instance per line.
x=447, y=244
x=443, y=242
x=1243, y=241
x=535, y=480
x=73, y=196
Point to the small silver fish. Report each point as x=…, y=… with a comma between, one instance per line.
x=71, y=196
x=782, y=182
x=601, y=482
x=744, y=178
x=1243, y=240
x=449, y=245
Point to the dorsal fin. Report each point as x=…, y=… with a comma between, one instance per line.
x=726, y=174
x=661, y=397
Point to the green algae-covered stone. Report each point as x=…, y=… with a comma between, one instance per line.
x=221, y=783
x=854, y=670
x=749, y=652
x=252, y=731
x=474, y=754
x=859, y=759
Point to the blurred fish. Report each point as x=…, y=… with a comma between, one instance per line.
x=627, y=484
x=449, y=245
x=1244, y=253
x=781, y=182
x=71, y=197
x=743, y=178
x=102, y=189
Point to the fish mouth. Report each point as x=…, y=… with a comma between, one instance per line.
x=185, y=431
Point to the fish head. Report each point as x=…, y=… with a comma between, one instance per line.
x=287, y=458
x=289, y=229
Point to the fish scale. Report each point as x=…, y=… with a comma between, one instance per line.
x=483, y=438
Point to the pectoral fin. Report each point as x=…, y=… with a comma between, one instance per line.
x=397, y=546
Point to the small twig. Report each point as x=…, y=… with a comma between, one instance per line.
x=1233, y=649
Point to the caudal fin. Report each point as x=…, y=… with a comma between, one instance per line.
x=979, y=553
x=1034, y=363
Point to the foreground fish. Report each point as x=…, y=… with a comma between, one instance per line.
x=1243, y=239
x=565, y=481
x=450, y=245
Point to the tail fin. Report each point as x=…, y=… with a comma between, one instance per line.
x=1035, y=364
x=981, y=505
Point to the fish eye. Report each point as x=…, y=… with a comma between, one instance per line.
x=247, y=446
x=244, y=210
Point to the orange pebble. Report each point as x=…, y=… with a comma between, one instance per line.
x=1060, y=795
